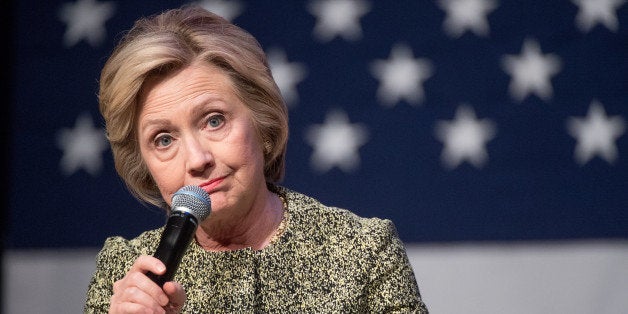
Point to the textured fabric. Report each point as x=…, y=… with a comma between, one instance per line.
x=328, y=260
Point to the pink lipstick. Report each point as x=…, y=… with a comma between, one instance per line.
x=211, y=185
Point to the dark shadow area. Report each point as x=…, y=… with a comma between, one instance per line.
x=6, y=76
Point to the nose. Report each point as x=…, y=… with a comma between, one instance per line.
x=199, y=158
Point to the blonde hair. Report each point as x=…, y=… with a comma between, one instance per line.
x=162, y=44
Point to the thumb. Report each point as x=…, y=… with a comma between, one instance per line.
x=176, y=296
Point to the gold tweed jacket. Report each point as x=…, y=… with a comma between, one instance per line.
x=328, y=260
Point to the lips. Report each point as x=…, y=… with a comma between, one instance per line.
x=211, y=185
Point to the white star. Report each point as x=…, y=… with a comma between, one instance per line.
x=229, y=10
x=591, y=12
x=286, y=74
x=338, y=18
x=596, y=134
x=401, y=76
x=464, y=15
x=85, y=19
x=531, y=71
x=336, y=142
x=82, y=146
x=464, y=138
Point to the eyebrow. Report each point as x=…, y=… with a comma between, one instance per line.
x=152, y=123
x=198, y=108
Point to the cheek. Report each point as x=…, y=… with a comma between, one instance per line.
x=151, y=163
x=247, y=156
x=244, y=145
x=254, y=150
x=164, y=174
x=237, y=155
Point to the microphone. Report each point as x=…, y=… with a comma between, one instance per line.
x=190, y=205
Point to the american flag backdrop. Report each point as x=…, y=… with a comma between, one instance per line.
x=462, y=121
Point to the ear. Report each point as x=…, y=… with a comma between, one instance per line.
x=268, y=147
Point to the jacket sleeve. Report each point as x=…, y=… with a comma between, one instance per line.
x=392, y=287
x=112, y=263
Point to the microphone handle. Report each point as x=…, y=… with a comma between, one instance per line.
x=175, y=239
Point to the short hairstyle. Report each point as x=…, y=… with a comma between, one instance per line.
x=162, y=44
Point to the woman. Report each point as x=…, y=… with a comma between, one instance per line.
x=188, y=99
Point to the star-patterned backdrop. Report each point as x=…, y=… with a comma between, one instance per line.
x=460, y=120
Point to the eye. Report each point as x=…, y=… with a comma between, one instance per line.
x=163, y=140
x=215, y=120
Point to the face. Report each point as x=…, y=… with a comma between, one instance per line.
x=194, y=130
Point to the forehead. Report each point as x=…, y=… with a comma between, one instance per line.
x=191, y=81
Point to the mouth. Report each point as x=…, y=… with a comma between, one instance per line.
x=211, y=185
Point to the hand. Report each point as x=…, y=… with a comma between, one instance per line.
x=136, y=293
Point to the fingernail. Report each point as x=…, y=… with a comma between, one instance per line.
x=161, y=268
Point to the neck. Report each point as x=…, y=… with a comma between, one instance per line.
x=255, y=230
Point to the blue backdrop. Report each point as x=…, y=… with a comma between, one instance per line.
x=458, y=120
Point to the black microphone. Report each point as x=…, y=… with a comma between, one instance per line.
x=190, y=205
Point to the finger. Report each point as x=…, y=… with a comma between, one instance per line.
x=131, y=299
x=137, y=297
x=176, y=295
x=129, y=307
x=146, y=263
x=137, y=288
x=142, y=282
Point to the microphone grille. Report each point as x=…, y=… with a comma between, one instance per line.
x=195, y=199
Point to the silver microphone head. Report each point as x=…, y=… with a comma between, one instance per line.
x=194, y=200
